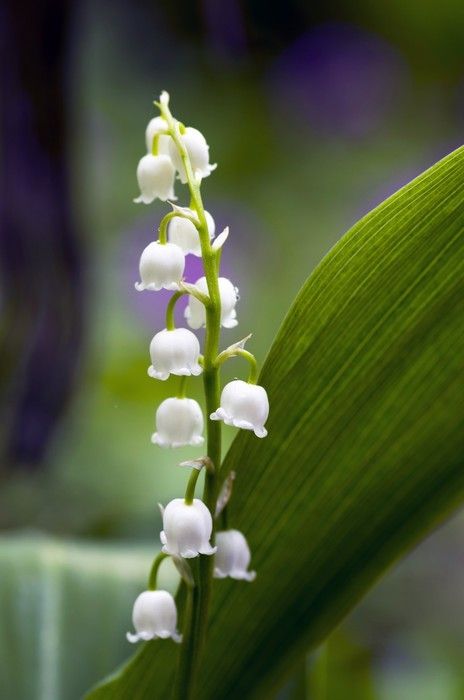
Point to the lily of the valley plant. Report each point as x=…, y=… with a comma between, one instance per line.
x=189, y=523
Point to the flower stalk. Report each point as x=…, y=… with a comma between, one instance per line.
x=189, y=523
x=153, y=576
x=211, y=383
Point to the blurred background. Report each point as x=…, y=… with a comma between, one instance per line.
x=314, y=112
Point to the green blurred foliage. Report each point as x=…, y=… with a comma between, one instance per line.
x=341, y=670
x=65, y=609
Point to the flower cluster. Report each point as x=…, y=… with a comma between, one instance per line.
x=175, y=151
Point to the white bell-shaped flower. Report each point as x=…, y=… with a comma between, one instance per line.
x=161, y=267
x=232, y=556
x=154, y=616
x=245, y=406
x=179, y=422
x=156, y=127
x=195, y=311
x=187, y=529
x=174, y=352
x=198, y=151
x=155, y=175
x=184, y=233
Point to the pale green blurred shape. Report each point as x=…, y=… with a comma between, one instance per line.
x=66, y=607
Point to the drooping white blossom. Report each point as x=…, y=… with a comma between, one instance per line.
x=156, y=127
x=154, y=616
x=195, y=313
x=174, y=352
x=179, y=422
x=161, y=267
x=198, y=151
x=186, y=529
x=233, y=556
x=155, y=175
x=184, y=233
x=245, y=406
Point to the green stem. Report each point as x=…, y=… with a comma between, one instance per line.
x=170, y=323
x=190, y=490
x=194, y=292
x=187, y=656
x=182, y=385
x=155, y=142
x=211, y=383
x=155, y=145
x=163, y=227
x=210, y=493
x=196, y=203
x=154, y=570
x=248, y=356
x=185, y=289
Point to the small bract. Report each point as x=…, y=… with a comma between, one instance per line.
x=245, y=406
x=154, y=616
x=176, y=352
x=156, y=127
x=186, y=529
x=161, y=267
x=155, y=175
x=232, y=556
x=184, y=233
x=195, y=313
x=179, y=422
x=198, y=151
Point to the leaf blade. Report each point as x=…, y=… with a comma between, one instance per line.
x=365, y=439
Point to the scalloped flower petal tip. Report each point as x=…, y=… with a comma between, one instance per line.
x=161, y=267
x=179, y=422
x=154, y=616
x=176, y=352
x=245, y=406
x=187, y=529
x=233, y=556
x=155, y=176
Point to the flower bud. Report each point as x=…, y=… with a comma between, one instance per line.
x=195, y=312
x=184, y=233
x=245, y=406
x=198, y=151
x=232, y=556
x=155, y=175
x=174, y=352
x=154, y=616
x=179, y=422
x=186, y=529
x=156, y=127
x=161, y=267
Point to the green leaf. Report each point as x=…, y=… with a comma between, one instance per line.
x=365, y=445
x=65, y=608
